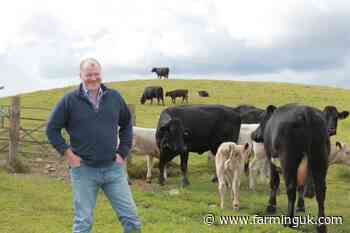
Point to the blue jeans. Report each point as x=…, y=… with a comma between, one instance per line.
x=87, y=180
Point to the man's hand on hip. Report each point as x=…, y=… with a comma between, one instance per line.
x=72, y=159
x=119, y=159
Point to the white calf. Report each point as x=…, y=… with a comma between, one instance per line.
x=258, y=165
x=243, y=137
x=144, y=142
x=339, y=154
x=229, y=162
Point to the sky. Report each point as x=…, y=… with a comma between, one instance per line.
x=294, y=41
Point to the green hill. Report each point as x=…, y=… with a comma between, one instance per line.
x=34, y=204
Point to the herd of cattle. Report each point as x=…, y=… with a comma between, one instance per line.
x=156, y=92
x=292, y=139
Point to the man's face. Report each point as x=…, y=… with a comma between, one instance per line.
x=91, y=76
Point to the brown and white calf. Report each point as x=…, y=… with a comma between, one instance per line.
x=144, y=143
x=229, y=162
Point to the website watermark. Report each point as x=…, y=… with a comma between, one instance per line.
x=211, y=219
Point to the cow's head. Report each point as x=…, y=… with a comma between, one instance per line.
x=143, y=99
x=153, y=69
x=173, y=136
x=167, y=93
x=258, y=134
x=332, y=116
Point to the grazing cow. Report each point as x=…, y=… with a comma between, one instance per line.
x=161, y=72
x=229, y=162
x=144, y=142
x=203, y=93
x=197, y=128
x=292, y=133
x=152, y=92
x=178, y=93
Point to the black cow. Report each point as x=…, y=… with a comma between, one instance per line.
x=178, y=93
x=250, y=114
x=292, y=133
x=203, y=93
x=161, y=72
x=332, y=116
x=197, y=128
x=152, y=92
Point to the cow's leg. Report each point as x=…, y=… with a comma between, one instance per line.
x=300, y=203
x=184, y=159
x=165, y=173
x=265, y=170
x=222, y=190
x=235, y=188
x=309, y=187
x=253, y=171
x=149, y=168
x=151, y=100
x=163, y=160
x=290, y=170
x=274, y=185
x=319, y=172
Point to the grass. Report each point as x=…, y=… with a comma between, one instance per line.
x=37, y=204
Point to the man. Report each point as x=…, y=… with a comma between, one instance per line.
x=91, y=115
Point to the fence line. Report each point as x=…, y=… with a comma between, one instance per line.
x=18, y=135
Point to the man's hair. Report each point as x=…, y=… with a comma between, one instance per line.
x=89, y=61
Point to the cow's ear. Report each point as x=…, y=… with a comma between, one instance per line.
x=338, y=145
x=342, y=115
x=246, y=146
x=270, y=109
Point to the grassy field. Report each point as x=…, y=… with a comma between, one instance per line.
x=38, y=204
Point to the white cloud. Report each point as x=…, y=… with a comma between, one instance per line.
x=44, y=42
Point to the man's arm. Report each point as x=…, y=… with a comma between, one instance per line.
x=57, y=121
x=125, y=130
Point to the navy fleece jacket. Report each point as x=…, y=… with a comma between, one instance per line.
x=93, y=132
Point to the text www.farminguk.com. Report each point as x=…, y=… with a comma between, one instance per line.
x=210, y=219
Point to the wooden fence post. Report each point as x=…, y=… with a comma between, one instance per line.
x=14, y=129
